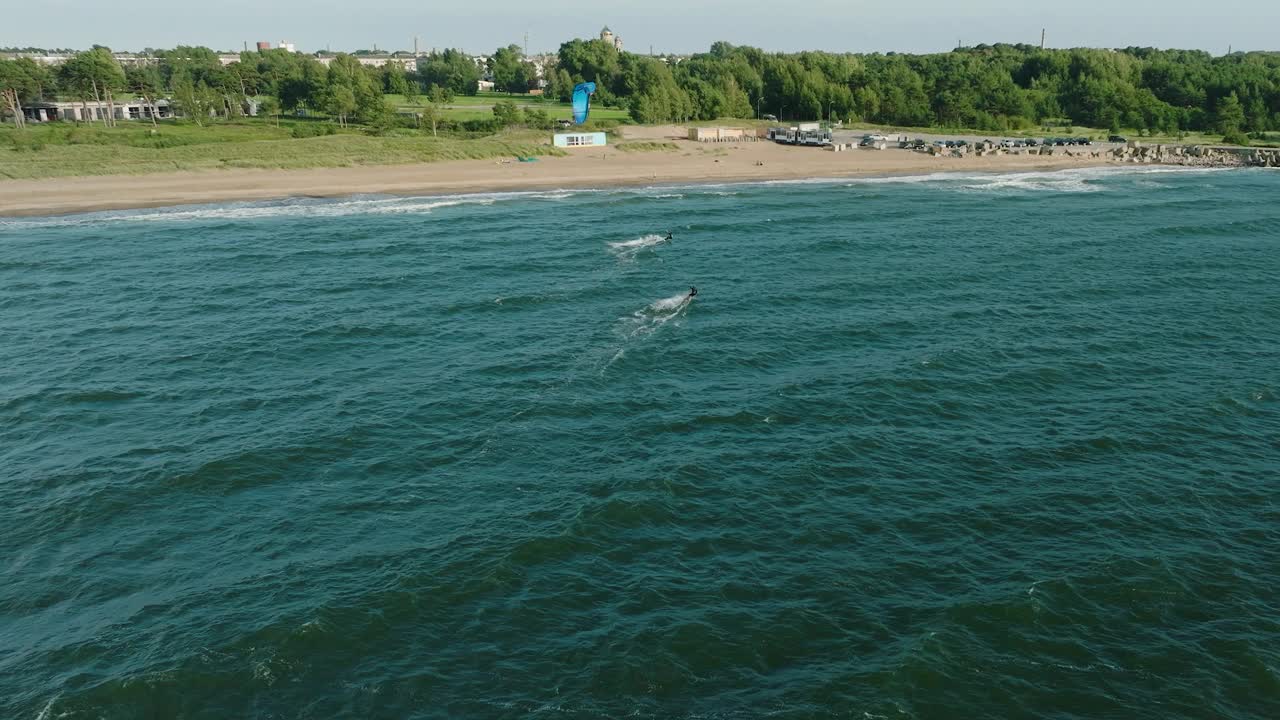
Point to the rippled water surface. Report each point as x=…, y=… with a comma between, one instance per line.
x=939, y=447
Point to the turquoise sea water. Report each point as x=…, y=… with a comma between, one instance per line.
x=940, y=447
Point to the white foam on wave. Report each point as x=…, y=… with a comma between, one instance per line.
x=293, y=207
x=647, y=321
x=630, y=248
x=658, y=313
x=1066, y=180
x=672, y=304
x=48, y=708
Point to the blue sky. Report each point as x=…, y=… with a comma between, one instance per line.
x=667, y=25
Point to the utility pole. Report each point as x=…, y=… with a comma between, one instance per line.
x=415, y=46
x=526, y=43
x=1042, y=39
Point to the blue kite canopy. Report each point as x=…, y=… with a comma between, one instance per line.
x=582, y=93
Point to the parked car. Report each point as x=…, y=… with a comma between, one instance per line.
x=1032, y=142
x=1083, y=141
x=1117, y=138
x=770, y=118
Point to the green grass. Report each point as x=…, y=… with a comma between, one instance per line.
x=480, y=107
x=63, y=150
x=644, y=146
x=483, y=99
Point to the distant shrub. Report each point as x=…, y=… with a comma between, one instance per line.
x=87, y=136
x=505, y=113
x=537, y=119
x=482, y=125
x=396, y=125
x=397, y=129
x=598, y=125
x=25, y=142
x=306, y=130
x=1235, y=137
x=158, y=141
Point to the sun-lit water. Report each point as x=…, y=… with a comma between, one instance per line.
x=937, y=447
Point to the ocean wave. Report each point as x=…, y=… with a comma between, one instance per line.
x=1067, y=180
x=328, y=207
x=293, y=207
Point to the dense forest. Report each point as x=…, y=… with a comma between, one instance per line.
x=986, y=87
x=197, y=81
x=998, y=87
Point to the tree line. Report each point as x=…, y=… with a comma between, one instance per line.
x=202, y=87
x=987, y=87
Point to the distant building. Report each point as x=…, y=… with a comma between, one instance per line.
x=55, y=59
x=721, y=134
x=46, y=60
x=607, y=36
x=286, y=45
x=125, y=109
x=406, y=60
x=263, y=45
x=570, y=140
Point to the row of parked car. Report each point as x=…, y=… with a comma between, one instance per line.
x=919, y=144
x=1031, y=142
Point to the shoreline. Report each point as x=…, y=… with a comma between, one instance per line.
x=602, y=168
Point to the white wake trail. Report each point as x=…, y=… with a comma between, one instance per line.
x=629, y=249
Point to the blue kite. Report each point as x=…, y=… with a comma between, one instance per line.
x=582, y=93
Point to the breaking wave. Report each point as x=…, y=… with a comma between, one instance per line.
x=1069, y=180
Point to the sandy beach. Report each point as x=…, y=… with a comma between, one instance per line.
x=691, y=162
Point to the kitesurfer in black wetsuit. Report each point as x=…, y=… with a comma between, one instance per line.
x=668, y=237
x=693, y=292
